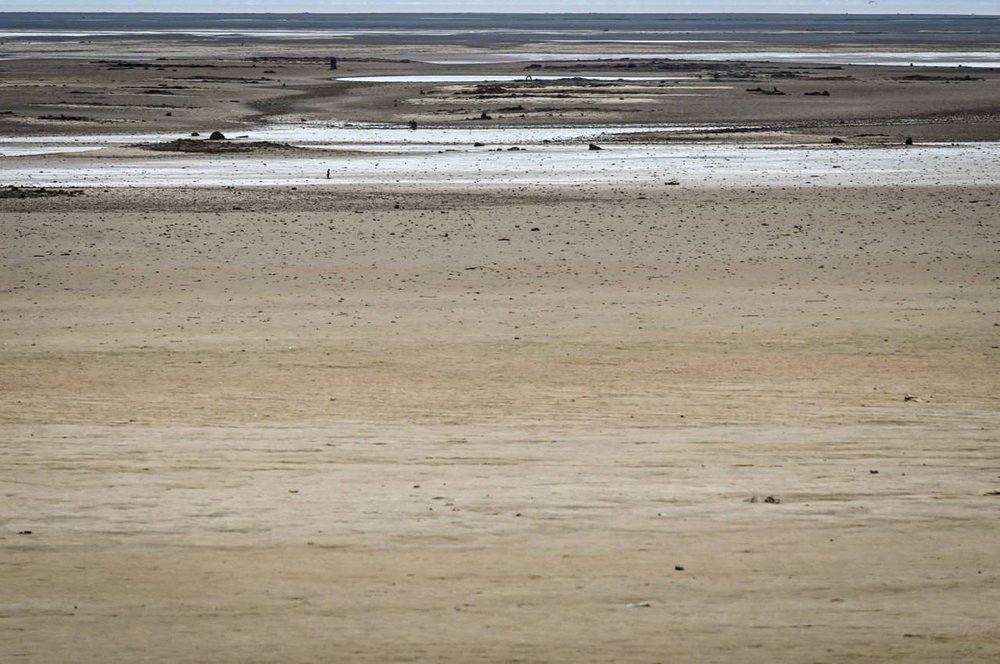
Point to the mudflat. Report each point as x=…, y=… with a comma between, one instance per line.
x=618, y=420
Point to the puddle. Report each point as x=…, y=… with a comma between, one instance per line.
x=500, y=78
x=34, y=150
x=917, y=58
x=359, y=135
x=344, y=136
x=543, y=165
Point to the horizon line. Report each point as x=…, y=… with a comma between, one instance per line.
x=491, y=13
x=512, y=13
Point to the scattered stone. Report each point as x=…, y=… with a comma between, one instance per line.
x=679, y=568
x=909, y=397
x=873, y=472
x=772, y=500
x=908, y=141
x=477, y=144
x=24, y=532
x=837, y=141
x=593, y=146
x=639, y=605
x=195, y=134
x=217, y=136
x=992, y=493
x=485, y=116
x=672, y=183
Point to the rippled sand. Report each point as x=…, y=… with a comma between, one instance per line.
x=390, y=424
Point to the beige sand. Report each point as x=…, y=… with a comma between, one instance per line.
x=324, y=428
x=672, y=424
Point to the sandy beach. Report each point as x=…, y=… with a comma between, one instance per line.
x=722, y=390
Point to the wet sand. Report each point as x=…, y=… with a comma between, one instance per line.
x=200, y=90
x=750, y=416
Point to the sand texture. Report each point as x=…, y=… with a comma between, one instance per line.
x=335, y=429
x=654, y=403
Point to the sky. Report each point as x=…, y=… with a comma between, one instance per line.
x=989, y=7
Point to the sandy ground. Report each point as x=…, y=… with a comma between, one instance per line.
x=322, y=427
x=743, y=420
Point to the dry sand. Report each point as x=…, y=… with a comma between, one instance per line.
x=328, y=429
x=546, y=424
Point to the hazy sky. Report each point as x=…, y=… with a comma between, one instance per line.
x=290, y=6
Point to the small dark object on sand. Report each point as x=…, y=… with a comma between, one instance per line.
x=679, y=568
x=217, y=136
x=837, y=141
x=195, y=134
x=593, y=146
x=908, y=141
x=771, y=500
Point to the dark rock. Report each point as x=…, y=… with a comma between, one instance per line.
x=217, y=136
x=592, y=146
x=837, y=141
